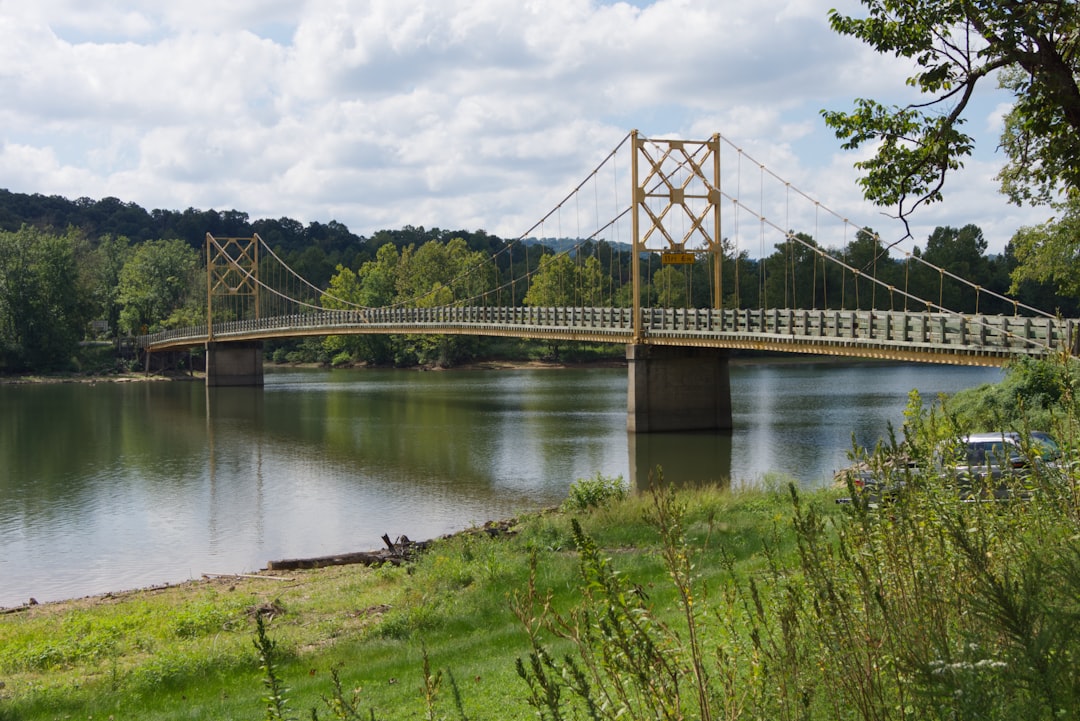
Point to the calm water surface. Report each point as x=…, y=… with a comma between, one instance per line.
x=113, y=486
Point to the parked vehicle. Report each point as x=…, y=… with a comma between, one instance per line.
x=997, y=464
x=980, y=466
x=876, y=485
x=1047, y=446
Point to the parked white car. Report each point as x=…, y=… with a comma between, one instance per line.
x=995, y=464
x=980, y=466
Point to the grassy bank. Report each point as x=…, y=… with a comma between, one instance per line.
x=187, y=651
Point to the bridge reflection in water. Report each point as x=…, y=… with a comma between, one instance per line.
x=685, y=458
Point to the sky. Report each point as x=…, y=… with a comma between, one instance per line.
x=456, y=114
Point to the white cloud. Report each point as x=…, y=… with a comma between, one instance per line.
x=461, y=113
x=39, y=168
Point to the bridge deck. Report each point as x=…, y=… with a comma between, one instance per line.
x=899, y=335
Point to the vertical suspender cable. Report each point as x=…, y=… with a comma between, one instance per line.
x=735, y=209
x=790, y=250
x=763, y=301
x=843, y=274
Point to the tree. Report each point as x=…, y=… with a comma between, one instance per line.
x=552, y=285
x=591, y=281
x=875, y=267
x=44, y=301
x=1050, y=252
x=377, y=279
x=283, y=235
x=158, y=280
x=739, y=277
x=103, y=270
x=371, y=287
x=961, y=252
x=343, y=293
x=1029, y=44
x=440, y=274
x=312, y=264
x=671, y=285
x=614, y=263
x=791, y=274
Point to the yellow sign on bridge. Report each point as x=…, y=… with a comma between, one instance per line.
x=677, y=258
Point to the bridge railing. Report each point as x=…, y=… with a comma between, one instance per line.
x=916, y=329
x=409, y=320
x=926, y=332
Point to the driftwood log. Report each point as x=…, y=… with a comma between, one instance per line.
x=396, y=552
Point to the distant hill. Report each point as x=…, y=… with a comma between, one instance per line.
x=561, y=245
x=112, y=216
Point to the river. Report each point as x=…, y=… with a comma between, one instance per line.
x=111, y=486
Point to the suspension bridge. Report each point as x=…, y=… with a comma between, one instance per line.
x=695, y=209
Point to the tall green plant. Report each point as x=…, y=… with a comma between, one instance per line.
x=628, y=664
x=934, y=607
x=924, y=605
x=630, y=658
x=341, y=705
x=275, y=700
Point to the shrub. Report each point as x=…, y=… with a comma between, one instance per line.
x=595, y=492
x=1034, y=392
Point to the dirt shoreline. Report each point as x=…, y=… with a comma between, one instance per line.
x=86, y=380
x=494, y=365
x=483, y=365
x=295, y=570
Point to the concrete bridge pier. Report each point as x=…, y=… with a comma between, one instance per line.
x=234, y=364
x=677, y=389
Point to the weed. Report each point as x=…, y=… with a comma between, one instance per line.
x=207, y=617
x=595, y=492
x=630, y=663
x=414, y=616
x=341, y=705
x=992, y=584
x=275, y=699
x=548, y=535
x=71, y=644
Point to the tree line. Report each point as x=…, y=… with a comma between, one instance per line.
x=75, y=271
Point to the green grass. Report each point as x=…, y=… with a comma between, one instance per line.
x=187, y=651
